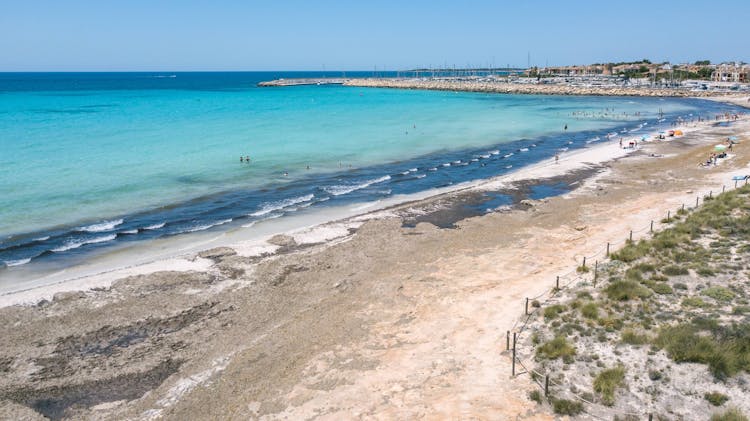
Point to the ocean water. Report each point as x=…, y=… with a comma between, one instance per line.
x=88, y=160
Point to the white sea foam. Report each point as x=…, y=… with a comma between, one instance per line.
x=485, y=156
x=45, y=238
x=447, y=164
x=421, y=175
x=412, y=170
x=495, y=152
x=101, y=227
x=129, y=232
x=457, y=162
x=274, y=206
x=432, y=169
x=207, y=226
x=344, y=189
x=70, y=245
x=155, y=226
x=474, y=159
x=524, y=149
x=508, y=155
x=18, y=262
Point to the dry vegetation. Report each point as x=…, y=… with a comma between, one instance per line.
x=665, y=330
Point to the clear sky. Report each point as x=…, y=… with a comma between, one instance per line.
x=101, y=35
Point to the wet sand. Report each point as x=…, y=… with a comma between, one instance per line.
x=392, y=317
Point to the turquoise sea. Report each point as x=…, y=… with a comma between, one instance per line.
x=92, y=159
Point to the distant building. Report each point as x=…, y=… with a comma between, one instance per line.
x=731, y=73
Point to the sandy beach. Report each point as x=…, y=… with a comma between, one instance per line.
x=380, y=314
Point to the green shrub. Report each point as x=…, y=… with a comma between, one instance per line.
x=659, y=278
x=694, y=302
x=633, y=274
x=632, y=251
x=704, y=271
x=654, y=375
x=716, y=398
x=645, y=267
x=553, y=311
x=680, y=285
x=739, y=310
x=626, y=290
x=556, y=348
x=631, y=337
x=584, y=295
x=661, y=288
x=726, y=350
x=674, y=270
x=590, y=311
x=535, y=396
x=566, y=407
x=731, y=414
x=607, y=382
x=718, y=293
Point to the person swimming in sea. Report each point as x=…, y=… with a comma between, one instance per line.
x=242, y=159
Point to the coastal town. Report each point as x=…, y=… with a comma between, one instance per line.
x=642, y=78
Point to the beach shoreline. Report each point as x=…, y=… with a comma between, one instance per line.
x=177, y=253
x=359, y=317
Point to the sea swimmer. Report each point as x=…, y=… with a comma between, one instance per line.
x=247, y=159
x=242, y=159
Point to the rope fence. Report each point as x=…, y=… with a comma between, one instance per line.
x=563, y=282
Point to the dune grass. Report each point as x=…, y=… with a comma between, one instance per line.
x=607, y=382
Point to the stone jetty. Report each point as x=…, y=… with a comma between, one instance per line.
x=512, y=87
x=298, y=82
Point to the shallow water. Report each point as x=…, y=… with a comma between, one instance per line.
x=90, y=160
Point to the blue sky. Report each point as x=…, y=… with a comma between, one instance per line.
x=81, y=35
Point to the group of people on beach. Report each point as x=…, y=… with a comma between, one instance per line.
x=632, y=144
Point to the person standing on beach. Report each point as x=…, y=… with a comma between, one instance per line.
x=566, y=127
x=557, y=158
x=620, y=143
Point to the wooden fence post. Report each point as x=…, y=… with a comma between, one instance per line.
x=507, y=340
x=546, y=385
x=526, y=309
x=513, y=365
x=607, y=249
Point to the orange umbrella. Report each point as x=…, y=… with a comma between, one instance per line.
x=678, y=132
